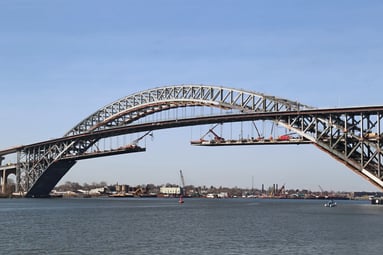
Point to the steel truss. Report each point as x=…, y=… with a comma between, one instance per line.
x=136, y=106
x=353, y=138
x=349, y=137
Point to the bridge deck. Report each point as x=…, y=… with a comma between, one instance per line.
x=248, y=142
x=8, y=167
x=96, y=154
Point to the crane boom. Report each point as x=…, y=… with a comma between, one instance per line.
x=182, y=183
x=135, y=142
x=182, y=179
x=217, y=138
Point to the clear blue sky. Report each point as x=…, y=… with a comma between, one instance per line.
x=60, y=61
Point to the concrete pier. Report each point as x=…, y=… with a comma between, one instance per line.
x=5, y=171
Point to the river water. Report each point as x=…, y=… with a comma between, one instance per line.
x=199, y=226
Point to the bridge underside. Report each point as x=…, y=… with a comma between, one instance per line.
x=50, y=178
x=98, y=154
x=53, y=174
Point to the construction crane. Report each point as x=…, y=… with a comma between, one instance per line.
x=321, y=190
x=135, y=142
x=322, y=193
x=217, y=138
x=281, y=191
x=182, y=183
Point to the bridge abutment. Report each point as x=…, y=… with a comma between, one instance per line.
x=5, y=171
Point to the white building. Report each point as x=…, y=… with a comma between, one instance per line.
x=170, y=191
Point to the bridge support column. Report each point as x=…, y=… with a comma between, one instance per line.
x=3, y=181
x=18, y=180
x=2, y=172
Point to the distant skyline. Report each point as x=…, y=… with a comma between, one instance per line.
x=60, y=61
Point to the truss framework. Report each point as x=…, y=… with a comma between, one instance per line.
x=354, y=139
x=133, y=107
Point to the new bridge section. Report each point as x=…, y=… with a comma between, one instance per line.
x=273, y=116
x=350, y=135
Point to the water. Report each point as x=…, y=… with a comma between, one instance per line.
x=199, y=226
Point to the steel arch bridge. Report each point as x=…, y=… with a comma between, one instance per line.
x=350, y=135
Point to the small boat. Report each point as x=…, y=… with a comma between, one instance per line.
x=330, y=203
x=376, y=200
x=181, y=200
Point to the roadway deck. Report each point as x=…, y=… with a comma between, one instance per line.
x=248, y=142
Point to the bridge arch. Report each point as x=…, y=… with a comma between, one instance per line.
x=133, y=107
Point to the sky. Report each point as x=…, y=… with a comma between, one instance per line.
x=60, y=61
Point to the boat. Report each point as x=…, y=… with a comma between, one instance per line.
x=330, y=203
x=376, y=200
x=181, y=200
